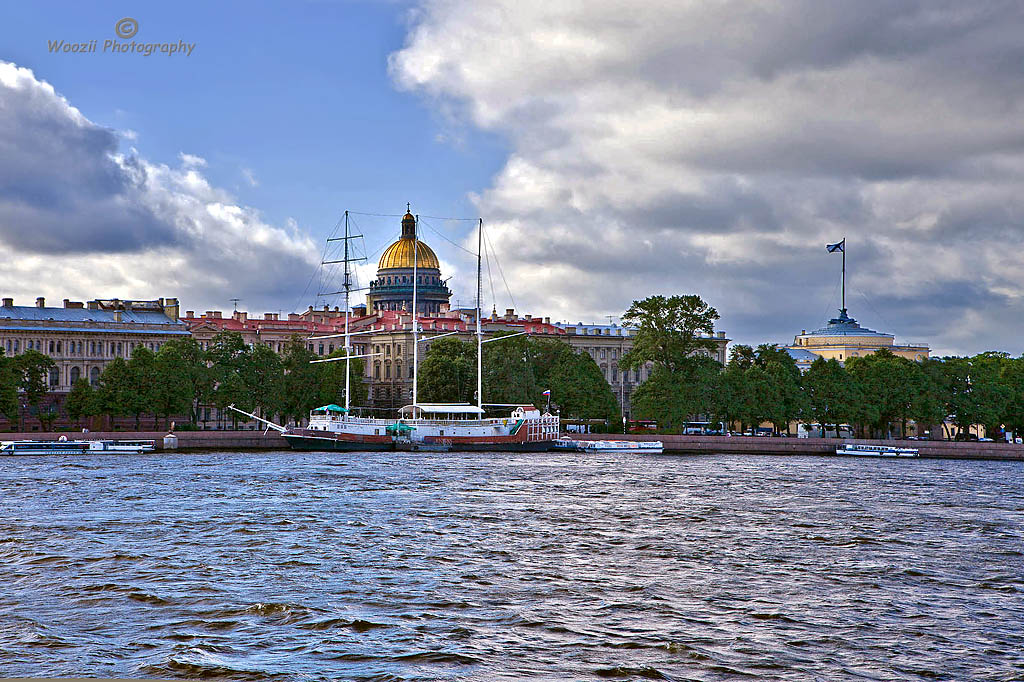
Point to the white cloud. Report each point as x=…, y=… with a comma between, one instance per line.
x=662, y=146
x=81, y=219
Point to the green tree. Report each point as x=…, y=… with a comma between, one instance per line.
x=184, y=378
x=9, y=379
x=448, y=372
x=508, y=374
x=33, y=369
x=1013, y=379
x=332, y=380
x=81, y=401
x=670, y=330
x=673, y=397
x=890, y=386
x=142, y=373
x=975, y=393
x=262, y=374
x=832, y=397
x=784, y=397
x=929, y=407
x=301, y=383
x=115, y=396
x=228, y=356
x=578, y=387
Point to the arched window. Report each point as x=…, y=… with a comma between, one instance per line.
x=54, y=377
x=376, y=370
x=94, y=376
x=387, y=370
x=76, y=374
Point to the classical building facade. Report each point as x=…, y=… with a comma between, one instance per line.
x=83, y=338
x=606, y=343
x=399, y=264
x=843, y=338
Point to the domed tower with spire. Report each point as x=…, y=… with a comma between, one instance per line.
x=392, y=289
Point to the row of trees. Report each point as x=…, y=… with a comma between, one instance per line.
x=181, y=376
x=518, y=370
x=763, y=384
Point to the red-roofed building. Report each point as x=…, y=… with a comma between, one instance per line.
x=387, y=334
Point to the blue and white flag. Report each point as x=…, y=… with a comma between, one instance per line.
x=838, y=246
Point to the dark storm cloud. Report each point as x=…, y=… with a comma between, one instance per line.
x=666, y=146
x=61, y=190
x=80, y=219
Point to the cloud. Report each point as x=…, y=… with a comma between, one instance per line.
x=79, y=218
x=250, y=177
x=660, y=146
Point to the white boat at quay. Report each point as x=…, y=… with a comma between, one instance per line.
x=858, y=450
x=63, y=446
x=649, y=447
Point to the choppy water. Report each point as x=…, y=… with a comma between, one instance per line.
x=400, y=566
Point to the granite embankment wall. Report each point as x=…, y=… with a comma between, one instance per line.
x=187, y=440
x=748, y=445
x=689, y=445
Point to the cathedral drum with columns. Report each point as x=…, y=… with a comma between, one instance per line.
x=407, y=258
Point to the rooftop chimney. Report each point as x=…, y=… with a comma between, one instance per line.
x=8, y=302
x=510, y=313
x=67, y=301
x=547, y=320
x=721, y=335
x=40, y=302
x=171, y=307
x=240, y=316
x=292, y=317
x=190, y=313
x=269, y=316
x=529, y=318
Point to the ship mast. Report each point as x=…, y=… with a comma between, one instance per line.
x=479, y=334
x=348, y=309
x=348, y=336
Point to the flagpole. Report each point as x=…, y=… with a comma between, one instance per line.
x=844, y=274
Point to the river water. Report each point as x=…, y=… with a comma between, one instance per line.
x=404, y=566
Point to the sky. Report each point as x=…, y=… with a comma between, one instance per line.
x=615, y=150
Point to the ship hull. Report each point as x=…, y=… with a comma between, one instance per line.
x=476, y=446
x=319, y=441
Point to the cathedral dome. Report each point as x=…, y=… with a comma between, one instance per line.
x=400, y=255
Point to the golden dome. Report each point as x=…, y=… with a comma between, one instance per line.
x=400, y=255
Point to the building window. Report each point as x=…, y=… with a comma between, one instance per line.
x=376, y=370
x=410, y=371
x=54, y=377
x=387, y=371
x=58, y=346
x=321, y=349
x=76, y=374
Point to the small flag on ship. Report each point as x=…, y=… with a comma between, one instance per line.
x=547, y=393
x=838, y=246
